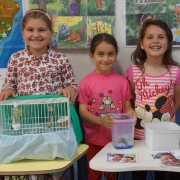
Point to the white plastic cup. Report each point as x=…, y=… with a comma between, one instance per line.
x=16, y=126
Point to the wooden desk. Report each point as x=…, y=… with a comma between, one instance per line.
x=145, y=160
x=29, y=167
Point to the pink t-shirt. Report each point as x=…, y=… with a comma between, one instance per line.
x=102, y=94
x=154, y=96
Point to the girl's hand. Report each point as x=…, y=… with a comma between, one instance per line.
x=132, y=113
x=107, y=121
x=70, y=93
x=7, y=93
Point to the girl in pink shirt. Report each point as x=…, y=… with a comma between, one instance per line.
x=101, y=94
x=154, y=79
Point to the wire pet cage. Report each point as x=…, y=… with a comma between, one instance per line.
x=34, y=116
x=36, y=120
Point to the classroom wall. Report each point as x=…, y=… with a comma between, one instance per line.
x=81, y=62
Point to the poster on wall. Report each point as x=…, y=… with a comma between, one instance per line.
x=138, y=11
x=75, y=22
x=11, y=13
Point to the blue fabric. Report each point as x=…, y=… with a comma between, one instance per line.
x=44, y=146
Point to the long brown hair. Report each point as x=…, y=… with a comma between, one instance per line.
x=139, y=57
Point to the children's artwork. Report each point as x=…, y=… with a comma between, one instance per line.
x=121, y=158
x=167, y=158
x=138, y=11
x=75, y=22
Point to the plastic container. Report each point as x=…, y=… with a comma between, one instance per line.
x=123, y=131
x=162, y=136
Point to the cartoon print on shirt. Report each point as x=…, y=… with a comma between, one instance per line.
x=107, y=104
x=143, y=85
x=168, y=108
x=144, y=115
x=164, y=112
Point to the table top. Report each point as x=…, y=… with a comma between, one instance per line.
x=28, y=167
x=145, y=161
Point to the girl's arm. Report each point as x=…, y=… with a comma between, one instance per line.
x=129, y=76
x=7, y=93
x=132, y=86
x=70, y=93
x=70, y=87
x=87, y=116
x=68, y=78
x=177, y=97
x=9, y=87
x=128, y=108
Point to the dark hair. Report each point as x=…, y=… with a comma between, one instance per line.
x=37, y=14
x=129, y=157
x=103, y=37
x=159, y=155
x=138, y=57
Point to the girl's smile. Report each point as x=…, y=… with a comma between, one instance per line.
x=37, y=35
x=104, y=57
x=155, y=42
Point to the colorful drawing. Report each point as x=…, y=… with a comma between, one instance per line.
x=72, y=8
x=47, y=5
x=75, y=22
x=177, y=19
x=70, y=32
x=100, y=24
x=101, y=7
x=138, y=11
x=61, y=7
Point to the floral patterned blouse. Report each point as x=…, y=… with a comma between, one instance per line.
x=48, y=74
